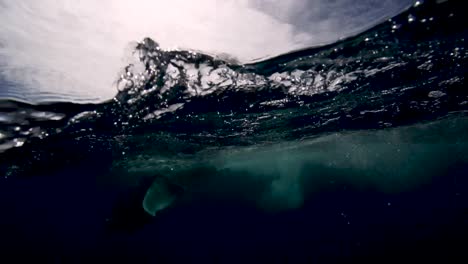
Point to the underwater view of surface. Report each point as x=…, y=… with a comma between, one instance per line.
x=352, y=151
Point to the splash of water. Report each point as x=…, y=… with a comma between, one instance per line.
x=73, y=50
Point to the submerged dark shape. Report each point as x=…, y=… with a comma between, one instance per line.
x=161, y=194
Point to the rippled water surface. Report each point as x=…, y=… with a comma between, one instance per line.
x=74, y=50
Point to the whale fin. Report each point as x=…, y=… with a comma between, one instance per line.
x=161, y=195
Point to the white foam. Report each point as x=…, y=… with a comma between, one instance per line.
x=76, y=48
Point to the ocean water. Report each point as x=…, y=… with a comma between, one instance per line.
x=351, y=152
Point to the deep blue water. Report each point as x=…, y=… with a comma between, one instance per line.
x=351, y=152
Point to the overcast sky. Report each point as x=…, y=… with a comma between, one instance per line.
x=76, y=47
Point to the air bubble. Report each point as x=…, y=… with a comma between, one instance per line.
x=436, y=94
x=18, y=142
x=396, y=27
x=124, y=84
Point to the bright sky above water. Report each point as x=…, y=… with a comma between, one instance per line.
x=75, y=49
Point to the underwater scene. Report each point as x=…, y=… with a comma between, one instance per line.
x=354, y=151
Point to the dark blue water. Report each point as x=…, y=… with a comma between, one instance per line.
x=351, y=152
